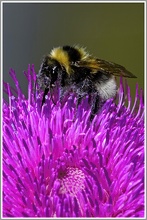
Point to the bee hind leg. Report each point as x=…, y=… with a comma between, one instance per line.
x=96, y=106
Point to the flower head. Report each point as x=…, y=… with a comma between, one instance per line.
x=59, y=165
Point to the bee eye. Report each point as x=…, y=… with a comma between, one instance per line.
x=54, y=68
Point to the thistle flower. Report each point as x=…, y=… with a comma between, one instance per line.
x=54, y=166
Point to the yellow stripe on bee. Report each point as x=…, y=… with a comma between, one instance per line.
x=84, y=55
x=62, y=57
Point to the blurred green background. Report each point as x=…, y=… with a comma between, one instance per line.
x=110, y=31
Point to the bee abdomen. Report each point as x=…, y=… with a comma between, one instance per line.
x=106, y=89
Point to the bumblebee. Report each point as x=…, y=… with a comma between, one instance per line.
x=74, y=69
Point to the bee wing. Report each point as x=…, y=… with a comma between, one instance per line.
x=114, y=69
x=98, y=65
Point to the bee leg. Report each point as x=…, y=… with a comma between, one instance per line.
x=45, y=93
x=90, y=99
x=78, y=102
x=79, y=99
x=52, y=97
x=61, y=94
x=95, y=106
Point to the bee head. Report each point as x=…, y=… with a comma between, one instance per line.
x=48, y=73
